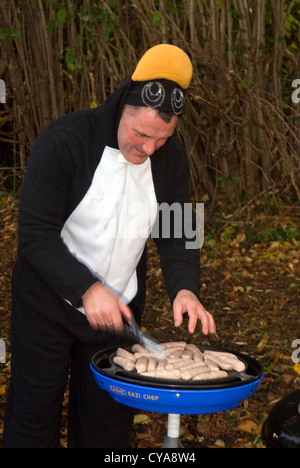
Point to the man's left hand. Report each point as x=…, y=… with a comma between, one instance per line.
x=186, y=302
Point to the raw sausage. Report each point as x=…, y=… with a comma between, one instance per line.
x=161, y=364
x=226, y=361
x=126, y=364
x=180, y=361
x=211, y=364
x=211, y=375
x=197, y=354
x=175, y=352
x=188, y=374
x=137, y=348
x=141, y=364
x=174, y=344
x=125, y=354
x=152, y=363
x=164, y=374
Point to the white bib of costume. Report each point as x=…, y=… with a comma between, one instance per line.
x=109, y=228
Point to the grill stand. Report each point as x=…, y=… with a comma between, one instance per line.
x=172, y=440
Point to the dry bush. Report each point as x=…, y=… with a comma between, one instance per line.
x=240, y=127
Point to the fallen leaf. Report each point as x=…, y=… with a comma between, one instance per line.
x=241, y=238
x=219, y=443
x=249, y=426
x=262, y=343
x=297, y=368
x=239, y=289
x=141, y=419
x=276, y=358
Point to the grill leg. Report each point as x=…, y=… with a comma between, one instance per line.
x=172, y=440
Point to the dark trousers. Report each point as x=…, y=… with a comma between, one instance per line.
x=49, y=339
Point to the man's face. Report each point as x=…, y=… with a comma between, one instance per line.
x=141, y=132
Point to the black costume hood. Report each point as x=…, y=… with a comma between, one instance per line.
x=111, y=110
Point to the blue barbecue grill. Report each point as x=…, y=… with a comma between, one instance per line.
x=176, y=397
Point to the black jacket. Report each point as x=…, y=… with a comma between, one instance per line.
x=59, y=172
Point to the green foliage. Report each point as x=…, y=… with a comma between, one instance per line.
x=13, y=33
x=278, y=234
x=156, y=18
x=85, y=18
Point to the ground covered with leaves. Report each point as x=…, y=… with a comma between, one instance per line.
x=250, y=281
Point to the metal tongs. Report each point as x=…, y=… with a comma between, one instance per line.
x=132, y=329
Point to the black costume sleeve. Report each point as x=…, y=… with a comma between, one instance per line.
x=47, y=196
x=180, y=265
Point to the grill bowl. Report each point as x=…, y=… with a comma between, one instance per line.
x=176, y=396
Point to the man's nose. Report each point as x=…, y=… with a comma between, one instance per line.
x=149, y=147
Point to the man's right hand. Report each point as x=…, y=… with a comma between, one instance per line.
x=104, y=310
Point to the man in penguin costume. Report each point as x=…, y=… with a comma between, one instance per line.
x=92, y=190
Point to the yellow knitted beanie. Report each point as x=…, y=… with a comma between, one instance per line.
x=164, y=61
